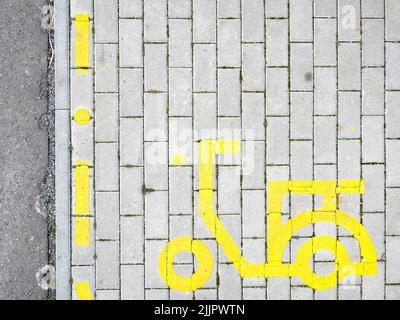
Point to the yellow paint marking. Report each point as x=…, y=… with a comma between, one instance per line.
x=82, y=32
x=83, y=291
x=82, y=188
x=178, y=159
x=82, y=116
x=199, y=250
x=82, y=232
x=279, y=233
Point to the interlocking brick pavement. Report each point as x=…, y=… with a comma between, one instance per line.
x=311, y=87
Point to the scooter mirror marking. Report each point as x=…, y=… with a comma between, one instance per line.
x=279, y=234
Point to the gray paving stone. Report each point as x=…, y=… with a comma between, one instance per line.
x=81, y=6
x=349, y=159
x=301, y=62
x=253, y=114
x=349, y=115
x=82, y=89
x=180, y=43
x=106, y=73
x=156, y=165
x=392, y=115
x=204, y=68
x=230, y=283
x=132, y=282
x=373, y=139
x=277, y=42
x=349, y=28
x=228, y=8
x=393, y=292
x=179, y=8
x=132, y=240
x=131, y=92
x=392, y=259
x=106, y=164
x=349, y=66
x=180, y=194
x=392, y=22
x=180, y=140
x=392, y=212
x=131, y=193
x=206, y=294
x=301, y=160
x=373, y=42
x=130, y=43
x=374, y=196
x=392, y=160
x=107, y=215
x=205, y=115
x=155, y=117
x=180, y=92
x=106, y=21
x=373, y=91
x=155, y=20
x=229, y=92
x=301, y=293
x=301, y=20
x=131, y=142
x=277, y=140
x=325, y=139
x=252, y=20
x=325, y=91
x=82, y=142
x=229, y=46
x=156, y=294
x=155, y=71
x=278, y=289
x=204, y=21
x=253, y=165
x=107, y=295
x=107, y=265
x=301, y=115
x=253, y=62
x=152, y=277
x=325, y=42
x=106, y=117
x=278, y=91
x=253, y=213
x=276, y=9
x=349, y=292
x=131, y=9
x=392, y=66
x=254, y=294
x=372, y=8
x=156, y=217
x=325, y=8
x=375, y=224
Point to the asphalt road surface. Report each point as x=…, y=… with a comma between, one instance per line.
x=23, y=147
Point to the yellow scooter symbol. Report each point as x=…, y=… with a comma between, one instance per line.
x=279, y=234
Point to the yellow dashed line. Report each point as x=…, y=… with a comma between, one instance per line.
x=83, y=291
x=82, y=116
x=82, y=42
x=82, y=232
x=82, y=188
